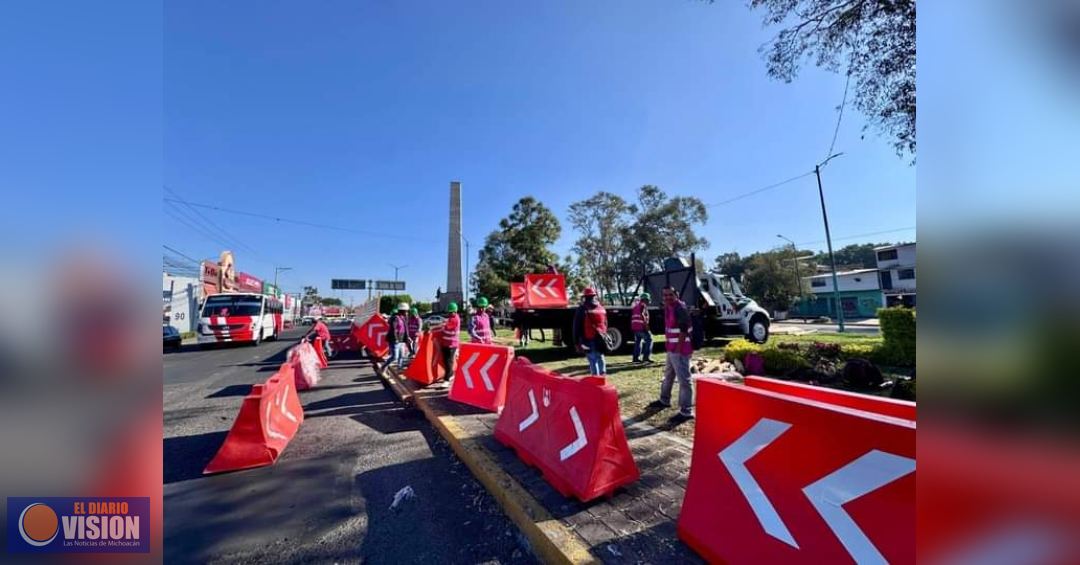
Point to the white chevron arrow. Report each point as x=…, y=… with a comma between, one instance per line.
x=465, y=369
x=551, y=290
x=532, y=418
x=270, y=431
x=863, y=475
x=537, y=289
x=735, y=456
x=484, y=373
x=285, y=409
x=581, y=441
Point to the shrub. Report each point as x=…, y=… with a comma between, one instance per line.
x=898, y=331
x=737, y=350
x=855, y=351
x=782, y=361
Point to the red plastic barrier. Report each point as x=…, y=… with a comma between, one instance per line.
x=780, y=479
x=269, y=417
x=344, y=341
x=569, y=428
x=480, y=377
x=518, y=298
x=427, y=366
x=321, y=353
x=373, y=335
x=305, y=364
x=876, y=404
x=545, y=290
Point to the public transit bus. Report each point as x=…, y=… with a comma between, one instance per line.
x=239, y=317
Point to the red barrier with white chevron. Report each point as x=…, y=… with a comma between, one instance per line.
x=569, y=428
x=344, y=341
x=480, y=377
x=776, y=478
x=269, y=417
x=372, y=334
x=545, y=290
x=876, y=404
x=517, y=295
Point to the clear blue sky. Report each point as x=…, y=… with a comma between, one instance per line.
x=360, y=113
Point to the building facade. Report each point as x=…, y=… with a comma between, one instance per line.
x=860, y=295
x=896, y=274
x=181, y=297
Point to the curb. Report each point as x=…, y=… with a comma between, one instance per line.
x=551, y=540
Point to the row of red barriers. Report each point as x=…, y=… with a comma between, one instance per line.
x=372, y=335
x=789, y=473
x=540, y=290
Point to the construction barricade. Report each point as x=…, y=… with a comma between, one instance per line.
x=344, y=341
x=876, y=404
x=372, y=335
x=305, y=362
x=569, y=428
x=778, y=478
x=320, y=351
x=427, y=366
x=480, y=376
x=269, y=416
x=545, y=291
x=517, y=295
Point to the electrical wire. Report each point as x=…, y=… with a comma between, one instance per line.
x=858, y=235
x=760, y=190
x=839, y=117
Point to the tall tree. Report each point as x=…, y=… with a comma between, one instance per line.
x=873, y=39
x=854, y=256
x=663, y=227
x=770, y=280
x=601, y=222
x=521, y=245
x=731, y=264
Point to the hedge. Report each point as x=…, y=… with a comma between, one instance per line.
x=898, y=331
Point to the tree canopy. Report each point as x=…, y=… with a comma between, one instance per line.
x=663, y=227
x=521, y=245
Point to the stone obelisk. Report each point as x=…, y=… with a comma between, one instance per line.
x=453, y=292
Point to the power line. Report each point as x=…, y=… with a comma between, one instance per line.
x=858, y=235
x=840, y=116
x=180, y=254
x=760, y=190
x=300, y=222
x=201, y=219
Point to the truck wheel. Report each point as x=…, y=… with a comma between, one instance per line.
x=759, y=329
x=616, y=337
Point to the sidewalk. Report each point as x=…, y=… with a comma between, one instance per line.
x=636, y=524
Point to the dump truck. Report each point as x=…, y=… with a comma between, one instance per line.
x=718, y=306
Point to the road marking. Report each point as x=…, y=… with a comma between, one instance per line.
x=484, y=373
x=861, y=476
x=581, y=441
x=465, y=369
x=532, y=417
x=734, y=457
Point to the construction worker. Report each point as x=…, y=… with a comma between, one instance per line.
x=639, y=324
x=413, y=329
x=322, y=332
x=398, y=336
x=590, y=325
x=449, y=339
x=480, y=329
x=678, y=334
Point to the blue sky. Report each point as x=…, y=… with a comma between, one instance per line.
x=358, y=114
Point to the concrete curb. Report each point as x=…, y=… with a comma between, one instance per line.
x=551, y=540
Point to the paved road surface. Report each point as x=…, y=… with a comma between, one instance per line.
x=802, y=327
x=328, y=497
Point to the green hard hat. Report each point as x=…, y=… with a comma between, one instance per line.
x=414, y=311
x=452, y=307
x=482, y=302
x=646, y=297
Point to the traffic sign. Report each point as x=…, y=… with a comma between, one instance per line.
x=348, y=284
x=389, y=285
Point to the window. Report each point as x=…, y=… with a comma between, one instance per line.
x=887, y=255
x=858, y=279
x=817, y=283
x=905, y=274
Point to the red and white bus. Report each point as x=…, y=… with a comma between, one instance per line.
x=239, y=317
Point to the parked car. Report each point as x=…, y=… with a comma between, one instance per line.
x=170, y=338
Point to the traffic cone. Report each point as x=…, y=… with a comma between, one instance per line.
x=319, y=351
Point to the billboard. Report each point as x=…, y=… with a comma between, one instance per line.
x=389, y=285
x=348, y=284
x=248, y=283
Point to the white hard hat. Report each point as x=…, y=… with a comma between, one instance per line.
x=403, y=306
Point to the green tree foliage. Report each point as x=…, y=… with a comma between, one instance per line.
x=731, y=264
x=388, y=303
x=770, y=279
x=330, y=301
x=601, y=222
x=521, y=245
x=874, y=40
x=662, y=227
x=423, y=307
x=855, y=256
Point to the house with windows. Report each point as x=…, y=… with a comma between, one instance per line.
x=896, y=273
x=860, y=295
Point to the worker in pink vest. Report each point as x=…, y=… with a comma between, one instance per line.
x=481, y=331
x=677, y=332
x=398, y=336
x=449, y=339
x=639, y=324
x=413, y=329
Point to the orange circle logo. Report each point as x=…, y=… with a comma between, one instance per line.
x=38, y=524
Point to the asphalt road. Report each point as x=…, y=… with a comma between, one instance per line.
x=328, y=497
x=863, y=329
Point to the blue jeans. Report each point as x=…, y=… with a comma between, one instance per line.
x=642, y=345
x=397, y=353
x=597, y=364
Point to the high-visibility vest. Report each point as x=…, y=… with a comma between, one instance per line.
x=672, y=331
x=481, y=328
x=414, y=326
x=595, y=322
x=637, y=317
x=450, y=336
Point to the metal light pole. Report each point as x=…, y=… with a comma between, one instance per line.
x=828, y=241
x=795, y=258
x=279, y=270
x=396, y=269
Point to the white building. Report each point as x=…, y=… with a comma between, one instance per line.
x=848, y=281
x=896, y=273
x=860, y=295
x=180, y=301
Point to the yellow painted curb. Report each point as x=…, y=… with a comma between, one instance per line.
x=551, y=540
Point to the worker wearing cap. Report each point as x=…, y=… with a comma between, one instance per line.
x=590, y=325
x=639, y=324
x=413, y=329
x=480, y=330
x=398, y=336
x=449, y=338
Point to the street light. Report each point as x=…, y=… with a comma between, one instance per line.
x=795, y=258
x=828, y=241
x=396, y=269
x=279, y=270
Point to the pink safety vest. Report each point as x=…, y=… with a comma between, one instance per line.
x=637, y=317
x=414, y=326
x=399, y=328
x=672, y=331
x=482, y=328
x=450, y=336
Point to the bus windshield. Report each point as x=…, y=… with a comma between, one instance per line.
x=232, y=305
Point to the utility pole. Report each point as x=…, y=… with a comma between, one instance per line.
x=396, y=269
x=795, y=258
x=279, y=270
x=828, y=241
